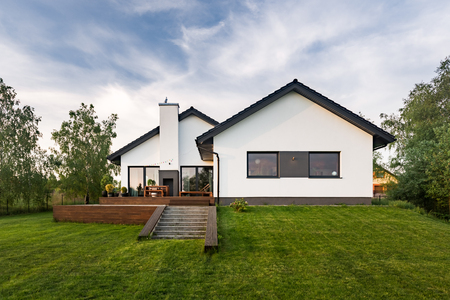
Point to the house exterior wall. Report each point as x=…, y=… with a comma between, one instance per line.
x=189, y=129
x=294, y=123
x=145, y=154
x=150, y=153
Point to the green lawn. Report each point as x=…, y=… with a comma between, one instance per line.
x=289, y=252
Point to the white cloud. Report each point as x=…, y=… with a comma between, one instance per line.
x=144, y=6
x=366, y=56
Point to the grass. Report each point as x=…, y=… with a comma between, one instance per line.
x=286, y=252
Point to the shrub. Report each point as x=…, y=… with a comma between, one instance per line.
x=123, y=190
x=376, y=201
x=239, y=205
x=109, y=188
x=107, y=179
x=402, y=204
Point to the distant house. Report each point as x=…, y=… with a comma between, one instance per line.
x=381, y=178
x=293, y=146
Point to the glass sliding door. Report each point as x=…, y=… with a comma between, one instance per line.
x=138, y=177
x=196, y=179
x=205, y=176
x=151, y=176
x=136, y=180
x=188, y=179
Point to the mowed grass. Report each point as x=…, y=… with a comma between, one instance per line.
x=289, y=252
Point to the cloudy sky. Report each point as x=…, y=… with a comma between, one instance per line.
x=218, y=56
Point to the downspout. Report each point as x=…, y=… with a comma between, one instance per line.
x=218, y=177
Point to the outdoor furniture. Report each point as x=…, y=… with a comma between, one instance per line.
x=160, y=190
x=206, y=194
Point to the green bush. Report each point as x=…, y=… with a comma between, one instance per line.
x=402, y=204
x=107, y=179
x=239, y=205
x=109, y=188
x=376, y=201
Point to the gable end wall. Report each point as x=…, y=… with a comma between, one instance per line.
x=294, y=123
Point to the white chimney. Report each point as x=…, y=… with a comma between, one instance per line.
x=168, y=136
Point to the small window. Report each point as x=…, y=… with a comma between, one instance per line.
x=262, y=164
x=324, y=165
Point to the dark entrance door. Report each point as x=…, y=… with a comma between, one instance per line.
x=169, y=182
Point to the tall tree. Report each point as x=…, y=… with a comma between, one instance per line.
x=83, y=145
x=421, y=132
x=22, y=162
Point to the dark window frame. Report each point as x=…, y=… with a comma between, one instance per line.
x=144, y=173
x=338, y=176
x=264, y=152
x=196, y=176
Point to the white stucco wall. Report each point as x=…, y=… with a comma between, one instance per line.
x=189, y=129
x=145, y=154
x=294, y=123
x=149, y=152
x=169, y=136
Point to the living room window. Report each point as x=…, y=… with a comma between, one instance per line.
x=262, y=164
x=324, y=165
x=196, y=179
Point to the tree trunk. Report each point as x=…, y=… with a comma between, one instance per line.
x=87, y=198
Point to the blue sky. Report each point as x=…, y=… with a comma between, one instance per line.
x=220, y=57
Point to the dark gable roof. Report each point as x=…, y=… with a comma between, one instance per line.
x=380, y=137
x=115, y=157
x=193, y=112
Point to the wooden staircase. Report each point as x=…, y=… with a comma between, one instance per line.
x=182, y=222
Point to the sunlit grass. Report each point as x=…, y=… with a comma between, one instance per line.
x=268, y=252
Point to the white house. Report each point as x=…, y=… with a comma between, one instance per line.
x=293, y=146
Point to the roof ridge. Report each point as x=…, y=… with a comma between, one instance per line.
x=193, y=111
x=308, y=93
x=148, y=135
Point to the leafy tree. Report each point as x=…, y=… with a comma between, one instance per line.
x=438, y=167
x=421, y=132
x=83, y=145
x=23, y=167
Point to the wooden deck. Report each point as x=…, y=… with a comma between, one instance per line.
x=184, y=201
x=113, y=214
x=211, y=239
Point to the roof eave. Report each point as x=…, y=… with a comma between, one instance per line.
x=310, y=94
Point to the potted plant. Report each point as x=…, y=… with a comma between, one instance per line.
x=123, y=192
x=151, y=182
x=110, y=189
x=106, y=179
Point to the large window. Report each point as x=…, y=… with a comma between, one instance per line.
x=136, y=176
x=323, y=164
x=262, y=164
x=196, y=179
